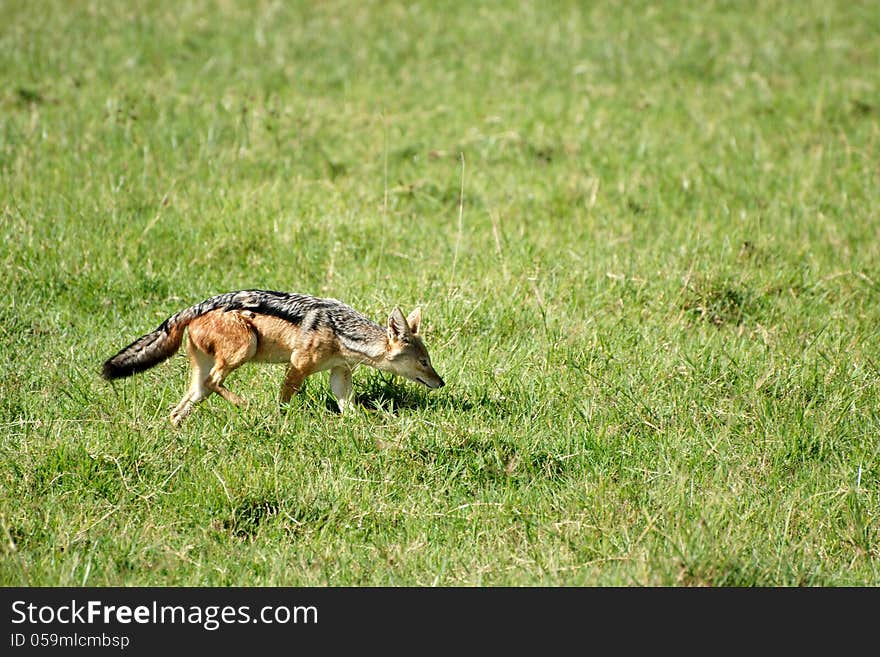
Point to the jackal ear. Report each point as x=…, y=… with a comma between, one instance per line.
x=397, y=326
x=414, y=319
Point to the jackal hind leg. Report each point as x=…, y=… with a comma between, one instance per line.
x=201, y=364
x=223, y=367
x=340, y=384
x=215, y=380
x=231, y=342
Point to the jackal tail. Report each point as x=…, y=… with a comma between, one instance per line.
x=153, y=348
x=147, y=351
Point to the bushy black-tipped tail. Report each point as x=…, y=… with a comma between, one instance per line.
x=145, y=352
x=152, y=348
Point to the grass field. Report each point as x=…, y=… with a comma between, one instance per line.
x=644, y=236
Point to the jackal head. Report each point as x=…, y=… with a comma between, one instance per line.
x=406, y=354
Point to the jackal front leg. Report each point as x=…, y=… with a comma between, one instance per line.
x=340, y=384
x=293, y=381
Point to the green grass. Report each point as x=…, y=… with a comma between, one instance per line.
x=657, y=311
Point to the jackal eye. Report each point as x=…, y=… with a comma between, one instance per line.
x=424, y=362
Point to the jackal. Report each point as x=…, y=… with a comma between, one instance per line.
x=310, y=334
